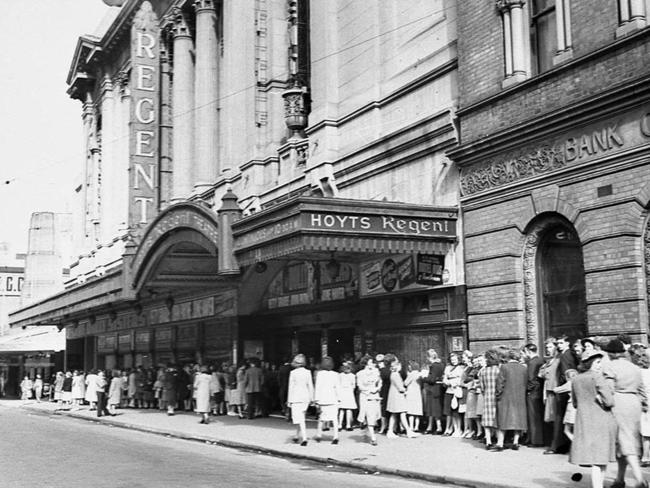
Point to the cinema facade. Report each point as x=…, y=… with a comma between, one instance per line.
x=304, y=214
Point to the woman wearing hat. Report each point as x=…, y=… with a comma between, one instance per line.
x=593, y=398
x=629, y=401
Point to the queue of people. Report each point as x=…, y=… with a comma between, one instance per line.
x=586, y=398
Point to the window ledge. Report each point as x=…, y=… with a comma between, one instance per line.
x=563, y=56
x=630, y=26
x=513, y=79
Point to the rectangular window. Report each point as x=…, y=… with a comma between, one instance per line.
x=543, y=34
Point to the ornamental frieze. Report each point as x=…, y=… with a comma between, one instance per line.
x=578, y=146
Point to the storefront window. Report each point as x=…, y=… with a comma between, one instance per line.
x=562, y=283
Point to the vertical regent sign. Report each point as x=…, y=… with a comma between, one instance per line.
x=144, y=122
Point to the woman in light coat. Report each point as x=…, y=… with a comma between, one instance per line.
x=38, y=387
x=327, y=396
x=413, y=395
x=347, y=383
x=300, y=394
x=26, y=388
x=369, y=383
x=114, y=393
x=397, y=405
x=91, y=389
x=203, y=389
x=78, y=389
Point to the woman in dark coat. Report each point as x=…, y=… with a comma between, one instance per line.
x=169, y=388
x=511, y=399
x=433, y=392
x=594, y=434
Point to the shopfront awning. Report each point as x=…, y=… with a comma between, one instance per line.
x=308, y=227
x=33, y=340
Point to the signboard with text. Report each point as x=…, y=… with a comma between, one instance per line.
x=401, y=272
x=11, y=284
x=144, y=120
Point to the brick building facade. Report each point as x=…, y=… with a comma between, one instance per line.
x=554, y=121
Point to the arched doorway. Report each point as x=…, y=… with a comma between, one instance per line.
x=554, y=280
x=561, y=283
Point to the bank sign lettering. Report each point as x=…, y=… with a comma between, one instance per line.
x=145, y=92
x=383, y=224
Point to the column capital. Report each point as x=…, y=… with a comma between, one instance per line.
x=180, y=26
x=106, y=86
x=204, y=6
x=505, y=5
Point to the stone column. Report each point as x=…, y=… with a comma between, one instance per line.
x=206, y=93
x=108, y=215
x=559, y=21
x=182, y=109
x=518, y=54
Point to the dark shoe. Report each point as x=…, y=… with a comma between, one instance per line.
x=645, y=464
x=489, y=447
x=618, y=484
x=552, y=451
x=303, y=443
x=201, y=421
x=349, y=429
x=497, y=448
x=335, y=442
x=515, y=447
x=373, y=443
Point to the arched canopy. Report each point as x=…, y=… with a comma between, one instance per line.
x=178, y=249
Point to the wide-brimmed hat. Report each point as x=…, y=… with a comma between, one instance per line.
x=587, y=355
x=614, y=346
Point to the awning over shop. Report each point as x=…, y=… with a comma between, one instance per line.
x=305, y=227
x=33, y=340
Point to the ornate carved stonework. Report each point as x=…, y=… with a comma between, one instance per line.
x=516, y=166
x=295, y=108
x=646, y=260
x=531, y=245
x=203, y=5
x=180, y=27
x=503, y=5
x=145, y=17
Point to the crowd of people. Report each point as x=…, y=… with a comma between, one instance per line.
x=585, y=398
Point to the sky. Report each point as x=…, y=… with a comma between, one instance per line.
x=41, y=145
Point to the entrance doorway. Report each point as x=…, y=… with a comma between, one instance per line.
x=309, y=344
x=561, y=276
x=340, y=342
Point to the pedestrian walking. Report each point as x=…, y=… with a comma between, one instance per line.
x=38, y=388
x=300, y=394
x=347, y=382
x=629, y=402
x=100, y=390
x=26, y=387
x=327, y=394
x=203, y=390
x=594, y=440
x=369, y=384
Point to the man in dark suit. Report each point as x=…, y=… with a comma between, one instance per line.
x=567, y=360
x=534, y=396
x=253, y=380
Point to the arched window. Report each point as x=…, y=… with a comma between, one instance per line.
x=561, y=281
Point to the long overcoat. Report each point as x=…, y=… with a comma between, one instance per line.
x=511, y=396
x=202, y=392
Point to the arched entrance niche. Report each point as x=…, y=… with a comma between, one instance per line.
x=178, y=250
x=554, y=280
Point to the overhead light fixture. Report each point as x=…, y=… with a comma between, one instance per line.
x=260, y=267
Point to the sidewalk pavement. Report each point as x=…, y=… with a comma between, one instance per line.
x=433, y=458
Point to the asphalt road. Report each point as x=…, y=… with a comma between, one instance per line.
x=54, y=451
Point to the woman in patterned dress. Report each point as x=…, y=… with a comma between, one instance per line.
x=488, y=384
